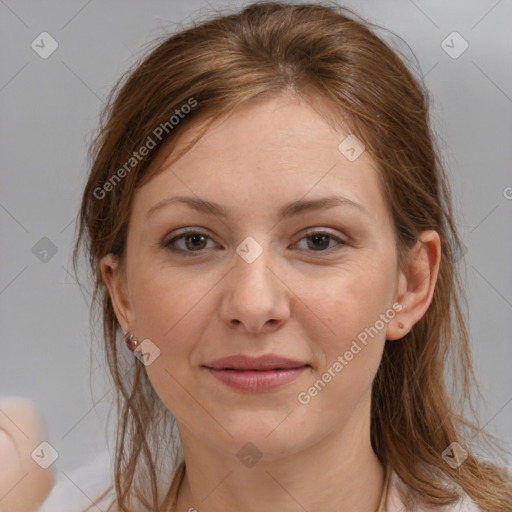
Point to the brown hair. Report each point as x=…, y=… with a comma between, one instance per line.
x=321, y=53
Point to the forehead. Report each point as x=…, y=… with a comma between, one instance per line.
x=264, y=154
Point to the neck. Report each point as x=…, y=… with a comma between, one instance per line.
x=339, y=473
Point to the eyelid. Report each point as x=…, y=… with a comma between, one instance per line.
x=324, y=231
x=180, y=233
x=341, y=242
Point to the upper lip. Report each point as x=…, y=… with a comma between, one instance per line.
x=242, y=362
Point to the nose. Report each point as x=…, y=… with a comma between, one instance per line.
x=256, y=298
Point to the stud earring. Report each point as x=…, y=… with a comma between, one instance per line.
x=131, y=341
x=400, y=325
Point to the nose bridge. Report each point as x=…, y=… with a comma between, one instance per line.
x=253, y=260
x=253, y=296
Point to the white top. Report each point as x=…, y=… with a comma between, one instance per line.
x=71, y=492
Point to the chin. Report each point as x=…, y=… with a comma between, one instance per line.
x=269, y=434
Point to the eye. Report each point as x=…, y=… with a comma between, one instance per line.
x=194, y=241
x=320, y=240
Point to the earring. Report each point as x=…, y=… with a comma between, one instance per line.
x=400, y=325
x=131, y=341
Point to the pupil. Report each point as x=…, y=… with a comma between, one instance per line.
x=196, y=237
x=316, y=237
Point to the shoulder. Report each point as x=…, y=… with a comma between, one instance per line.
x=395, y=504
x=80, y=488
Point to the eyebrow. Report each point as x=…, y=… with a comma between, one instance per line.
x=289, y=210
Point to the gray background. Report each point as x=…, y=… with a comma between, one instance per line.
x=50, y=107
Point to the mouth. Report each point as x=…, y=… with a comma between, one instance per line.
x=256, y=375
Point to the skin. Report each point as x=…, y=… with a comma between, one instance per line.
x=300, y=299
x=24, y=485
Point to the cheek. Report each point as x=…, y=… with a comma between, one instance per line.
x=349, y=331
x=163, y=297
x=347, y=305
x=172, y=310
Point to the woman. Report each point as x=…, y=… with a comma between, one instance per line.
x=269, y=224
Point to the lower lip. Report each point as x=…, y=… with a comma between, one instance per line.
x=257, y=381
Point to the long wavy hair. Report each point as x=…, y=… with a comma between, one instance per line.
x=330, y=57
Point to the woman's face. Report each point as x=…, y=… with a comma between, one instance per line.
x=315, y=285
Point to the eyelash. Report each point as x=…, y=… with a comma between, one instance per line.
x=169, y=245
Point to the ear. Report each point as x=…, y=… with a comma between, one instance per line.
x=115, y=280
x=416, y=284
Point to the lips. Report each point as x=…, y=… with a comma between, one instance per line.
x=256, y=375
x=262, y=363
